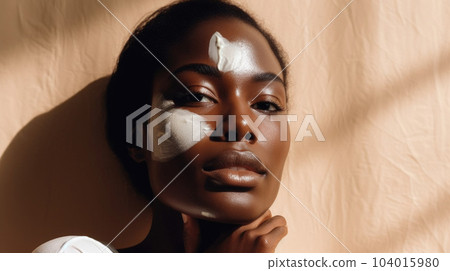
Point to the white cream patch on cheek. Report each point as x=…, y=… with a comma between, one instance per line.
x=230, y=56
x=180, y=123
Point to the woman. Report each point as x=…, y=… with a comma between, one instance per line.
x=214, y=193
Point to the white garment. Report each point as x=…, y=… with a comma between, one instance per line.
x=72, y=244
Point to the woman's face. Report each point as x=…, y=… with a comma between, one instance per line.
x=231, y=179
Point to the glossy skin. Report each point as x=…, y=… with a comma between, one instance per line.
x=244, y=209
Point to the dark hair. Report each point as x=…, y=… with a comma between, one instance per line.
x=130, y=86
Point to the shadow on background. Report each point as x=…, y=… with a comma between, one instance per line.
x=59, y=177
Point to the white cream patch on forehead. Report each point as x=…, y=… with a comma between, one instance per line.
x=230, y=56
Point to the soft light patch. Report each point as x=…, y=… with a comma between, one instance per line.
x=207, y=214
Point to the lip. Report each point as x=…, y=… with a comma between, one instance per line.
x=240, y=169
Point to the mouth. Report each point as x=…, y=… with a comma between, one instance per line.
x=234, y=170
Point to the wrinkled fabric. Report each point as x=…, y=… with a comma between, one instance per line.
x=376, y=80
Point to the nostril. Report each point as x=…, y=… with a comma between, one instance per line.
x=248, y=136
x=227, y=136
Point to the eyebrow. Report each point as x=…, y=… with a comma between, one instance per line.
x=267, y=76
x=214, y=72
x=199, y=68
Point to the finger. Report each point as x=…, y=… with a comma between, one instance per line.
x=268, y=225
x=257, y=222
x=191, y=233
x=264, y=228
x=268, y=242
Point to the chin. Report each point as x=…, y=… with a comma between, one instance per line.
x=240, y=220
x=222, y=207
x=239, y=215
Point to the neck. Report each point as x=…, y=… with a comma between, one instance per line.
x=166, y=233
x=213, y=232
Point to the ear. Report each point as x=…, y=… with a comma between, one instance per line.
x=137, y=154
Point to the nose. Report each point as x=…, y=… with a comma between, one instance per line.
x=234, y=126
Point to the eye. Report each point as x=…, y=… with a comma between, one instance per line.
x=203, y=98
x=194, y=98
x=266, y=106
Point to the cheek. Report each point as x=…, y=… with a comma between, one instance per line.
x=174, y=185
x=276, y=146
x=176, y=133
x=275, y=132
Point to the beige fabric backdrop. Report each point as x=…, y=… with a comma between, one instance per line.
x=376, y=80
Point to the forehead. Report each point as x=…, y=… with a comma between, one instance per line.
x=193, y=47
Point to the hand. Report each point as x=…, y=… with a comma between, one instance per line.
x=262, y=235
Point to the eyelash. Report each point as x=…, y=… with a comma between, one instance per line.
x=277, y=106
x=184, y=97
